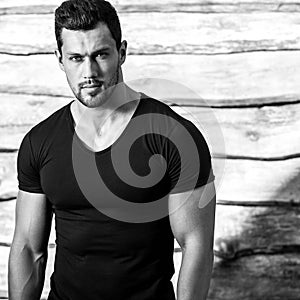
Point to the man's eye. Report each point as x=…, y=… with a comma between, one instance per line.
x=76, y=58
x=102, y=55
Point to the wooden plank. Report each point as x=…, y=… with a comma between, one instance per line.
x=236, y=179
x=15, y=3
x=257, y=277
x=4, y=253
x=253, y=277
x=210, y=33
x=267, y=133
x=236, y=6
x=20, y=113
x=7, y=222
x=250, y=180
x=174, y=33
x=241, y=230
x=237, y=228
x=8, y=179
x=236, y=76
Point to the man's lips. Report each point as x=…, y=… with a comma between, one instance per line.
x=90, y=86
x=91, y=89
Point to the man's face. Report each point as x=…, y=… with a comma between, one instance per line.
x=92, y=63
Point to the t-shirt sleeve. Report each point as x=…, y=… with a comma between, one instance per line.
x=27, y=168
x=189, y=159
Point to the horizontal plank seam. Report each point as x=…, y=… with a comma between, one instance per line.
x=4, y=150
x=149, y=53
x=25, y=93
x=294, y=99
x=170, y=11
x=167, y=11
x=177, y=8
x=26, y=54
x=268, y=250
x=254, y=158
x=246, y=105
x=262, y=203
x=215, y=155
x=198, y=53
x=7, y=199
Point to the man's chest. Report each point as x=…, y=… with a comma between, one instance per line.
x=72, y=172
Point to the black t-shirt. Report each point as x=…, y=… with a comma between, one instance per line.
x=99, y=257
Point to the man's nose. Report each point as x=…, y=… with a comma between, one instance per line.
x=90, y=68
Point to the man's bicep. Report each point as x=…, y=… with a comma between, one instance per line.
x=192, y=216
x=33, y=221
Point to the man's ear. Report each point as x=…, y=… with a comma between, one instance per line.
x=59, y=58
x=123, y=52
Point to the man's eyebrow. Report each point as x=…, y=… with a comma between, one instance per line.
x=93, y=53
x=101, y=50
x=74, y=53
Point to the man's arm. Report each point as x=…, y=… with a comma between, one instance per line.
x=28, y=253
x=193, y=227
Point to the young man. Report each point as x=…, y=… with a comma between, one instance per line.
x=108, y=248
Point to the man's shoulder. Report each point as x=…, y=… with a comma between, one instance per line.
x=174, y=112
x=178, y=123
x=161, y=106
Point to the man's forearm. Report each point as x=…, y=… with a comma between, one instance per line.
x=195, y=274
x=26, y=274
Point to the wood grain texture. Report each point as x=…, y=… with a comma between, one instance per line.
x=8, y=176
x=20, y=113
x=250, y=180
x=254, y=277
x=237, y=76
x=15, y=3
x=239, y=6
x=243, y=231
x=175, y=33
x=267, y=133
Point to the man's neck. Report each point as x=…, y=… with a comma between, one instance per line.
x=113, y=111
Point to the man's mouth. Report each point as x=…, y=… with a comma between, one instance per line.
x=91, y=88
x=91, y=84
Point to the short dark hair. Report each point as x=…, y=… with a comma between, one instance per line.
x=86, y=15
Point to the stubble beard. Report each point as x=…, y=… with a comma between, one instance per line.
x=102, y=96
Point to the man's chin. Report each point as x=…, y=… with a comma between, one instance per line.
x=93, y=101
x=97, y=98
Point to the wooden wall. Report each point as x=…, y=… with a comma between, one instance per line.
x=243, y=58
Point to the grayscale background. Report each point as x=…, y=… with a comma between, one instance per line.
x=243, y=58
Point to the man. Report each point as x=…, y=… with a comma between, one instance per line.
x=106, y=250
